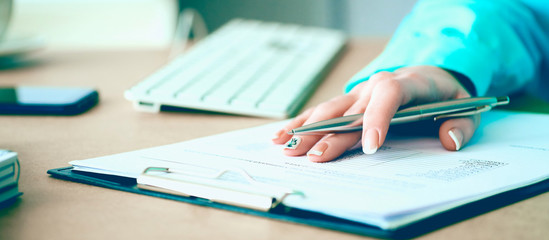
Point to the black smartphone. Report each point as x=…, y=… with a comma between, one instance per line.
x=27, y=100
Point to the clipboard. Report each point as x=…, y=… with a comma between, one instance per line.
x=293, y=215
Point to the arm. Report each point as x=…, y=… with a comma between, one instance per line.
x=487, y=43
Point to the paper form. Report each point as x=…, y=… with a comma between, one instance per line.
x=406, y=180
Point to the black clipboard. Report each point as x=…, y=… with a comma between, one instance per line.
x=283, y=213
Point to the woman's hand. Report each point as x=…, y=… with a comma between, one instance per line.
x=379, y=98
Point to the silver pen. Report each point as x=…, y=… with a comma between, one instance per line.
x=446, y=109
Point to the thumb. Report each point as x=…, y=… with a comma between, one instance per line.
x=455, y=133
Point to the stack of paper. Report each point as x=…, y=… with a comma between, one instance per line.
x=9, y=176
x=407, y=180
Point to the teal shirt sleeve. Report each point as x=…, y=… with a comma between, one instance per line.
x=488, y=41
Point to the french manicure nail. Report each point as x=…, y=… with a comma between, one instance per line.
x=318, y=149
x=370, y=142
x=456, y=136
x=293, y=143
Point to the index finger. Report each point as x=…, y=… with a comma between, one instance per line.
x=282, y=135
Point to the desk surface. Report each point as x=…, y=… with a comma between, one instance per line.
x=56, y=209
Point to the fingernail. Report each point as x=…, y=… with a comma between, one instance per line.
x=318, y=149
x=278, y=134
x=456, y=136
x=293, y=143
x=370, y=141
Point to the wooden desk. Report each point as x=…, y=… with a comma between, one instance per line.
x=56, y=209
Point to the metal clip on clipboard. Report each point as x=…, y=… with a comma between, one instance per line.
x=250, y=194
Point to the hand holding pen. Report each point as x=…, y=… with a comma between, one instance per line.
x=461, y=107
x=376, y=102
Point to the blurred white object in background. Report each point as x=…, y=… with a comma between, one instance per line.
x=189, y=22
x=5, y=14
x=11, y=47
x=96, y=24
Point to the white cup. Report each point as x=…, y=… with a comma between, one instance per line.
x=5, y=15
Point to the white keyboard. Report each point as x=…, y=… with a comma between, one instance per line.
x=246, y=67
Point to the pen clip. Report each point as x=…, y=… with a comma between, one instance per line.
x=476, y=110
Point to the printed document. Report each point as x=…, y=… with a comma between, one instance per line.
x=408, y=179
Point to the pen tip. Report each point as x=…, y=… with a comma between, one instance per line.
x=291, y=132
